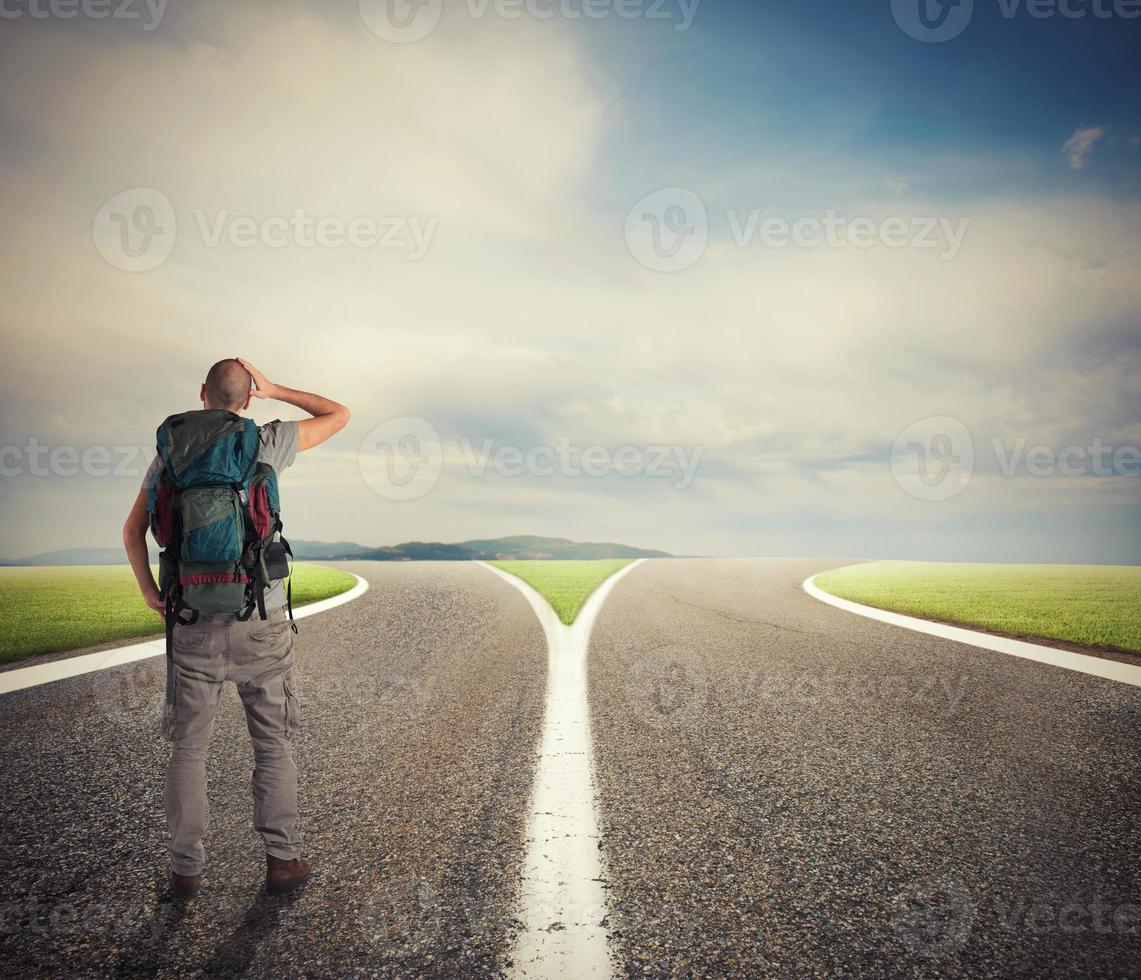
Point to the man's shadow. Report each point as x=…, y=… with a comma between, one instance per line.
x=146, y=948
x=150, y=946
x=234, y=955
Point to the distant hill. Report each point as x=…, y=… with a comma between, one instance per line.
x=518, y=546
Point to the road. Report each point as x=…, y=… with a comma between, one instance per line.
x=787, y=789
x=784, y=789
x=423, y=705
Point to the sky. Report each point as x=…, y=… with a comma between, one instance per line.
x=717, y=278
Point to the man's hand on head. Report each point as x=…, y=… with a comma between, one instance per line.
x=263, y=387
x=329, y=417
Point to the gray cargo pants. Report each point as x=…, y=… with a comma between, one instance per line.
x=257, y=656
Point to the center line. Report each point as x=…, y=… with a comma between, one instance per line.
x=562, y=901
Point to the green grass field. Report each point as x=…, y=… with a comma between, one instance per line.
x=1094, y=605
x=47, y=609
x=566, y=585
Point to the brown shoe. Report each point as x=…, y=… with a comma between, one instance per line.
x=283, y=876
x=185, y=886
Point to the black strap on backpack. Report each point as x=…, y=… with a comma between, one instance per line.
x=288, y=583
x=252, y=557
x=170, y=616
x=174, y=605
x=174, y=609
x=258, y=572
x=254, y=562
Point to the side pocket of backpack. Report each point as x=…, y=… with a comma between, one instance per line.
x=160, y=509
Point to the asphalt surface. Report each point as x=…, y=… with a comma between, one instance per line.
x=422, y=704
x=787, y=789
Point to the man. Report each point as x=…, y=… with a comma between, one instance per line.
x=256, y=654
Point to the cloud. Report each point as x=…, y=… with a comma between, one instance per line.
x=1079, y=146
x=527, y=321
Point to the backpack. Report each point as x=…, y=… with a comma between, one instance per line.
x=216, y=513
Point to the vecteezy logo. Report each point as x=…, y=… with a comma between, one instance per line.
x=401, y=459
x=933, y=459
x=415, y=909
x=667, y=231
x=667, y=688
x=933, y=917
x=135, y=230
x=933, y=21
x=401, y=21
x=129, y=697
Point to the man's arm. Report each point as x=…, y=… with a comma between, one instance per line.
x=135, y=541
x=329, y=417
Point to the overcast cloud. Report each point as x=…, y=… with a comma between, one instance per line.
x=788, y=372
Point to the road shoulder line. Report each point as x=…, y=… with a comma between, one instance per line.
x=1083, y=663
x=56, y=670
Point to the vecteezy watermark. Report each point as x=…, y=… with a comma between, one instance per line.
x=565, y=458
x=667, y=688
x=421, y=912
x=668, y=230
x=936, y=21
x=933, y=21
x=760, y=688
x=148, y=13
x=1096, y=459
x=1052, y=914
x=393, y=914
x=934, y=458
x=403, y=458
x=405, y=21
x=130, y=697
x=136, y=230
x=933, y=917
x=39, y=460
x=54, y=915
x=835, y=230
x=409, y=233
x=394, y=693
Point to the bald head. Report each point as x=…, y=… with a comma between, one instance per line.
x=227, y=386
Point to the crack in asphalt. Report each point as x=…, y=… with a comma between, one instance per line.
x=744, y=621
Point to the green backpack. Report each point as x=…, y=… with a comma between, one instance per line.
x=216, y=513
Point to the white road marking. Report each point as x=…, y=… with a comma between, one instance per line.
x=562, y=901
x=57, y=670
x=1097, y=666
